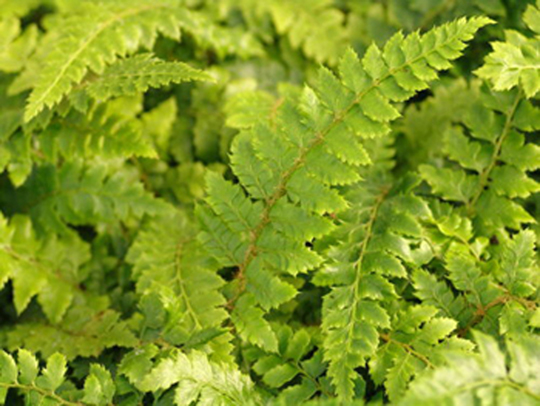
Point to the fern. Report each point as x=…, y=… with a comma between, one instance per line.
x=44, y=267
x=95, y=34
x=315, y=27
x=192, y=212
x=170, y=274
x=487, y=377
x=296, y=368
x=93, y=193
x=15, y=47
x=48, y=385
x=202, y=381
x=377, y=238
x=516, y=61
x=103, y=132
x=498, y=158
x=87, y=330
x=137, y=74
x=245, y=233
x=418, y=342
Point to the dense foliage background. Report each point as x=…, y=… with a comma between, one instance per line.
x=279, y=202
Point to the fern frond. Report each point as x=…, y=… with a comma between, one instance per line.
x=423, y=123
x=102, y=132
x=47, y=267
x=133, y=75
x=284, y=172
x=14, y=148
x=85, y=43
x=81, y=194
x=317, y=27
x=377, y=237
x=200, y=380
x=295, y=368
x=87, y=329
x=494, y=158
x=486, y=376
x=170, y=266
x=95, y=34
x=517, y=60
x=15, y=48
x=480, y=284
x=418, y=342
x=49, y=385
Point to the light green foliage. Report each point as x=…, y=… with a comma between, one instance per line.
x=315, y=26
x=81, y=194
x=48, y=385
x=282, y=168
x=269, y=203
x=486, y=377
x=200, y=380
x=494, y=159
x=130, y=76
x=294, y=367
x=517, y=60
x=94, y=34
x=171, y=273
x=44, y=267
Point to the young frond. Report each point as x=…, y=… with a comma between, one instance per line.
x=517, y=60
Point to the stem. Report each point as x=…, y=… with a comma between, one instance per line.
x=281, y=189
x=484, y=176
x=409, y=349
x=41, y=391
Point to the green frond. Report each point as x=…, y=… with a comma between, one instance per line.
x=482, y=281
x=46, y=267
x=94, y=194
x=282, y=168
x=419, y=341
x=95, y=34
x=48, y=385
x=85, y=39
x=87, y=328
x=102, y=132
x=171, y=271
x=423, y=123
x=134, y=75
x=201, y=380
x=14, y=149
x=377, y=241
x=15, y=48
x=516, y=61
x=494, y=160
x=295, y=367
x=483, y=377
x=317, y=27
